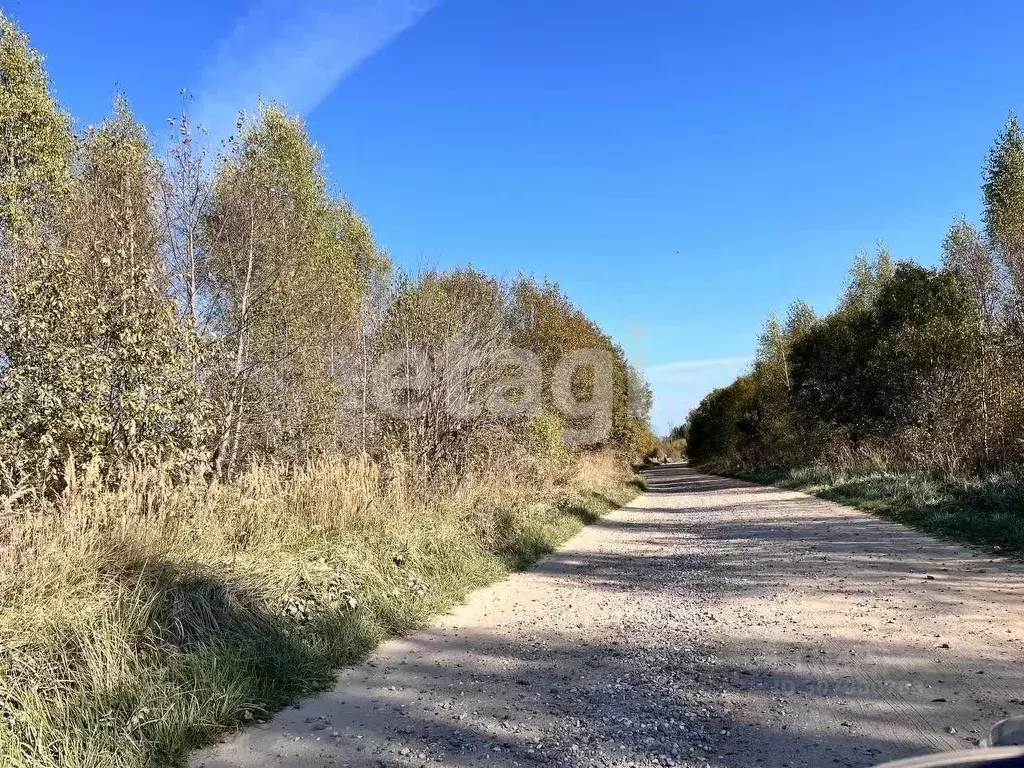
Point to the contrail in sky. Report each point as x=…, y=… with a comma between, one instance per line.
x=296, y=52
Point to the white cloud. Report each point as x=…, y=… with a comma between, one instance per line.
x=296, y=52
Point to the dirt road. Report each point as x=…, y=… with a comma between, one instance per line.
x=710, y=622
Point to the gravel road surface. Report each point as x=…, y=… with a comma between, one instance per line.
x=709, y=622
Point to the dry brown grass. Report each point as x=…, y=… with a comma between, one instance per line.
x=138, y=621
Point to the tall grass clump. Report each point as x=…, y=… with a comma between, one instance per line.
x=137, y=621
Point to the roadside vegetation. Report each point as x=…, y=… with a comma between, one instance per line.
x=984, y=512
x=908, y=397
x=238, y=447
x=137, y=621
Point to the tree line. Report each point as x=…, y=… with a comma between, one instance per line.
x=212, y=307
x=917, y=368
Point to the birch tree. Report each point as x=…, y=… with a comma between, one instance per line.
x=290, y=264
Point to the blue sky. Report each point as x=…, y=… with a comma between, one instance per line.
x=681, y=168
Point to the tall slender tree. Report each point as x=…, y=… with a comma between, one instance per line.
x=146, y=354
x=966, y=254
x=291, y=264
x=1004, y=210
